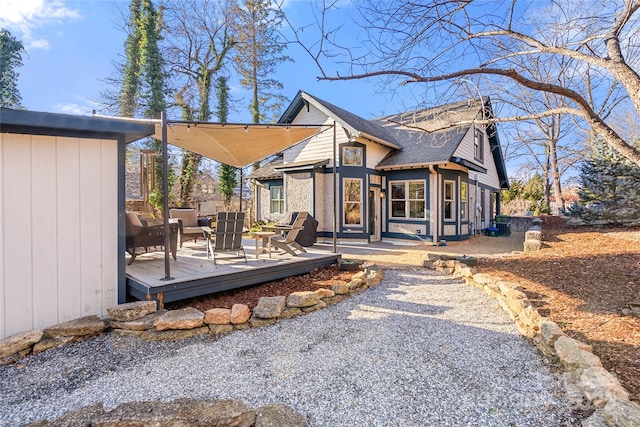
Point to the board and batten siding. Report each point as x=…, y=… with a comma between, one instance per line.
x=466, y=151
x=58, y=206
x=318, y=147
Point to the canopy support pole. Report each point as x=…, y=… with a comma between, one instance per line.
x=335, y=192
x=165, y=198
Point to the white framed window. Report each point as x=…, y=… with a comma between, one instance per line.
x=352, y=201
x=449, y=200
x=478, y=145
x=408, y=199
x=464, y=213
x=277, y=199
x=352, y=156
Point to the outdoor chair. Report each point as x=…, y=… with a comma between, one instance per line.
x=287, y=242
x=138, y=235
x=189, y=225
x=227, y=236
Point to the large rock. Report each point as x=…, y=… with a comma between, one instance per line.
x=88, y=325
x=131, y=310
x=173, y=334
x=18, y=342
x=320, y=305
x=240, y=313
x=257, y=322
x=575, y=355
x=217, y=316
x=532, y=245
x=622, y=413
x=324, y=293
x=48, y=343
x=600, y=386
x=279, y=415
x=220, y=329
x=184, y=318
x=269, y=307
x=302, y=299
x=141, y=324
x=549, y=333
x=532, y=234
x=182, y=412
x=340, y=288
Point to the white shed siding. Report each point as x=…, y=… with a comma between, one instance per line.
x=58, y=212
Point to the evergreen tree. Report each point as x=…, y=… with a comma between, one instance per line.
x=11, y=50
x=258, y=54
x=129, y=90
x=227, y=175
x=143, y=79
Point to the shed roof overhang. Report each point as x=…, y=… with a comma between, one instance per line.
x=56, y=124
x=236, y=145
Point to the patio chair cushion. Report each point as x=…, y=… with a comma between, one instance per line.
x=134, y=225
x=188, y=217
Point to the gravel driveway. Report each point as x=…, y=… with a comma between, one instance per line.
x=417, y=350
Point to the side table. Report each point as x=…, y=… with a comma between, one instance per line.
x=266, y=241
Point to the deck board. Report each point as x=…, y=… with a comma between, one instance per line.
x=193, y=274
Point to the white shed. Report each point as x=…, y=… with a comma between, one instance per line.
x=61, y=216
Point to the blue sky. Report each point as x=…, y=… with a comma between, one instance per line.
x=71, y=46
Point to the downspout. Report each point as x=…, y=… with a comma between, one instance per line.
x=435, y=212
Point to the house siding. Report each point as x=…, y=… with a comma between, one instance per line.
x=318, y=147
x=59, y=216
x=299, y=191
x=466, y=151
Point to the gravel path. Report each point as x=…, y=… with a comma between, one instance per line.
x=417, y=350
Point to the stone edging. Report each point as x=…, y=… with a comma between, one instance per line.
x=182, y=412
x=584, y=376
x=142, y=319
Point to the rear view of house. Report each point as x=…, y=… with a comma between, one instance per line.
x=405, y=176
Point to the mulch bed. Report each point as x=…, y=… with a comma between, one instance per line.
x=319, y=278
x=582, y=279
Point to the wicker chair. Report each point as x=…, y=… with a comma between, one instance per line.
x=140, y=236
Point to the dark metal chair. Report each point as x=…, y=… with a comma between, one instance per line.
x=138, y=235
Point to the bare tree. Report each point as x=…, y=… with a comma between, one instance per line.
x=198, y=42
x=443, y=40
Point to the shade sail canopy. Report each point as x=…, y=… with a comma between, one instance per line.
x=237, y=145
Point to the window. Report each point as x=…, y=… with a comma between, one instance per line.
x=478, y=145
x=463, y=200
x=408, y=199
x=352, y=156
x=352, y=201
x=277, y=199
x=449, y=200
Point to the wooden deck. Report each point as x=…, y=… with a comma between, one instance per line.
x=194, y=275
